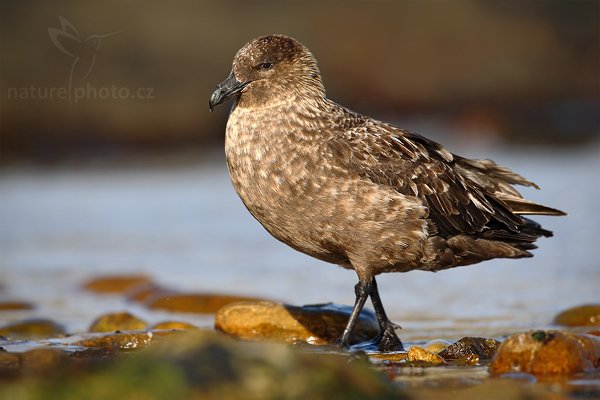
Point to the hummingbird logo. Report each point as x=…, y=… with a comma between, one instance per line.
x=83, y=51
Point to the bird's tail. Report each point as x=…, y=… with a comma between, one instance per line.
x=522, y=206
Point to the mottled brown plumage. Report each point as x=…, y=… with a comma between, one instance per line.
x=357, y=192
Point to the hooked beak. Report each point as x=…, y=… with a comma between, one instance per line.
x=225, y=90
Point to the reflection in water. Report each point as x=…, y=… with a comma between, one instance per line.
x=186, y=227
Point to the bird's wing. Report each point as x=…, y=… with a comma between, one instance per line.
x=460, y=193
x=498, y=180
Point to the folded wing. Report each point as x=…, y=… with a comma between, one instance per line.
x=464, y=196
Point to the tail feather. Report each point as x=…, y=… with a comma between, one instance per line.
x=522, y=206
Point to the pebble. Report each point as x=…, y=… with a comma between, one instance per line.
x=43, y=360
x=419, y=354
x=467, y=347
x=9, y=363
x=15, y=306
x=32, y=329
x=143, y=292
x=548, y=352
x=177, y=325
x=586, y=315
x=314, y=324
x=395, y=357
x=115, y=283
x=120, y=321
x=436, y=345
x=118, y=341
x=202, y=303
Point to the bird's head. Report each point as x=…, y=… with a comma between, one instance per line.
x=268, y=69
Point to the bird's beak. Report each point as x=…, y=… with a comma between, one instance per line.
x=225, y=90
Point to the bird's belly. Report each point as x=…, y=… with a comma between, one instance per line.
x=282, y=197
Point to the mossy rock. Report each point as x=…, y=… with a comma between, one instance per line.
x=203, y=365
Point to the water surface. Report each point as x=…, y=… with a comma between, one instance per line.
x=184, y=226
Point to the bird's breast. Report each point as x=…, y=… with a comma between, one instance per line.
x=270, y=167
x=276, y=170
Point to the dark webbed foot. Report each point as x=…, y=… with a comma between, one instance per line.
x=388, y=341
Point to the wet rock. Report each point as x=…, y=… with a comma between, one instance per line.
x=118, y=341
x=115, y=283
x=43, y=360
x=142, y=293
x=586, y=315
x=89, y=355
x=419, y=354
x=178, y=325
x=9, y=363
x=15, y=306
x=468, y=347
x=391, y=357
x=469, y=360
x=121, y=321
x=203, y=303
x=547, y=353
x=160, y=333
x=205, y=365
x=32, y=329
x=314, y=324
x=437, y=345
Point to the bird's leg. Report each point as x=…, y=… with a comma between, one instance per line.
x=387, y=339
x=362, y=290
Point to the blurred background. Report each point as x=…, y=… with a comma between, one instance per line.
x=111, y=161
x=523, y=71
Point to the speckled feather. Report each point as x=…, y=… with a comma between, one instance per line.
x=357, y=192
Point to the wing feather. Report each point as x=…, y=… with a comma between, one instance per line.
x=463, y=196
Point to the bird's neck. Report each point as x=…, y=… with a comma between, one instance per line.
x=284, y=110
x=273, y=126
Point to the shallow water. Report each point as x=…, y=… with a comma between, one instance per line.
x=184, y=226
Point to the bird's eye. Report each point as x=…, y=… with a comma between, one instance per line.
x=265, y=66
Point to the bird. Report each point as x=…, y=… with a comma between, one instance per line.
x=358, y=192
